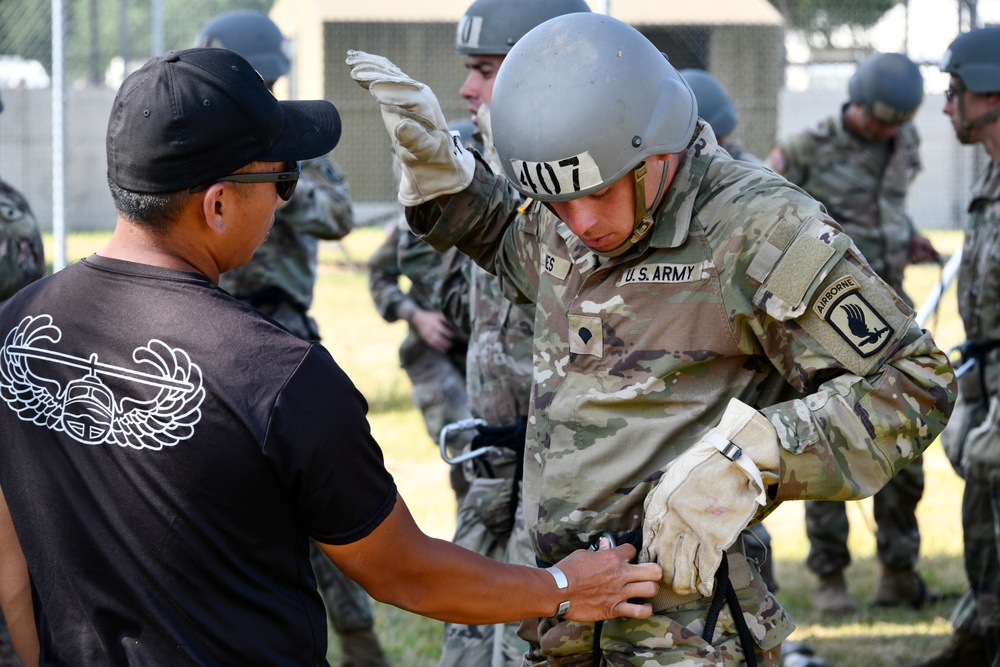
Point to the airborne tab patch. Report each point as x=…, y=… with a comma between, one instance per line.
x=843, y=307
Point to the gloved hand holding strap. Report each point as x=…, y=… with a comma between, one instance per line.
x=707, y=496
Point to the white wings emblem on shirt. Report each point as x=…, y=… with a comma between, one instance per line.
x=85, y=408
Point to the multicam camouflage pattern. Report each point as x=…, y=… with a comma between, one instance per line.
x=22, y=256
x=863, y=186
x=498, y=382
x=280, y=277
x=897, y=537
x=742, y=279
x=437, y=378
x=979, y=306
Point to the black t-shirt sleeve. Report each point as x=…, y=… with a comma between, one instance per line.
x=321, y=445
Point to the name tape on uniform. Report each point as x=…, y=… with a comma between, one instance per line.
x=571, y=174
x=664, y=273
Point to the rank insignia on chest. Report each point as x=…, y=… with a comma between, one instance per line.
x=847, y=311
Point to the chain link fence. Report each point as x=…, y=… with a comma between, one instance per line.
x=782, y=80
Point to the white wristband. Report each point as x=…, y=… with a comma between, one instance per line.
x=561, y=583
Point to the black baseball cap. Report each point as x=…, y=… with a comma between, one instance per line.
x=191, y=116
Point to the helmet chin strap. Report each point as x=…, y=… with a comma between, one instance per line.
x=643, y=216
x=969, y=125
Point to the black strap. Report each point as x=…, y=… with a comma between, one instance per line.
x=726, y=594
x=596, y=647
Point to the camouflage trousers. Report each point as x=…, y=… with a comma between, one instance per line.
x=671, y=637
x=439, y=394
x=897, y=536
x=347, y=604
x=483, y=526
x=979, y=612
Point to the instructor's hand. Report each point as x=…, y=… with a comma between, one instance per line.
x=433, y=160
x=601, y=583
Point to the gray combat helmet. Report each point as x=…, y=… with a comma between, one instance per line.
x=252, y=35
x=889, y=85
x=580, y=101
x=492, y=27
x=714, y=104
x=974, y=57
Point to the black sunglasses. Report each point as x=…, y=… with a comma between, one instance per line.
x=952, y=92
x=284, y=181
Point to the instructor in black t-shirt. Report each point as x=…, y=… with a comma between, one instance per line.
x=166, y=452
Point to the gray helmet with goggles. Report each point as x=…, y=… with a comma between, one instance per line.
x=889, y=85
x=974, y=58
x=492, y=27
x=581, y=101
x=252, y=35
x=714, y=104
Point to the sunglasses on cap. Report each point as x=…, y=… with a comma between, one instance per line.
x=284, y=181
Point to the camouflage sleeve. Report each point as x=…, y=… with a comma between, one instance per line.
x=321, y=205
x=484, y=222
x=876, y=390
x=391, y=302
x=453, y=298
x=22, y=255
x=791, y=159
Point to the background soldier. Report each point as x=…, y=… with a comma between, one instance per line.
x=972, y=440
x=279, y=282
x=433, y=352
x=655, y=333
x=498, y=367
x=716, y=107
x=860, y=164
x=22, y=261
x=22, y=255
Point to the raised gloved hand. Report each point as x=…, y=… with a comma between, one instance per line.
x=433, y=161
x=706, y=496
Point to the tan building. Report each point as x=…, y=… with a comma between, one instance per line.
x=739, y=41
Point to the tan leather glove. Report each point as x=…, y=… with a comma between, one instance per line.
x=432, y=159
x=706, y=496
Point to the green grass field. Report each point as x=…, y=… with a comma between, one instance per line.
x=365, y=346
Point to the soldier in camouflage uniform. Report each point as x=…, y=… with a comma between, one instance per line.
x=433, y=352
x=22, y=261
x=860, y=164
x=671, y=286
x=716, y=108
x=279, y=282
x=498, y=367
x=972, y=440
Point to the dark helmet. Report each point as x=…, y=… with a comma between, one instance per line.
x=974, y=57
x=889, y=85
x=252, y=35
x=492, y=27
x=714, y=104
